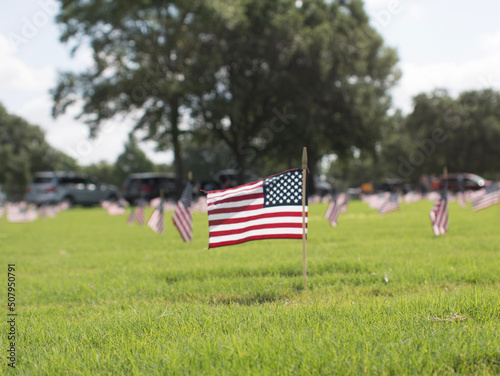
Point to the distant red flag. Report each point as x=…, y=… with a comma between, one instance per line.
x=139, y=212
x=390, y=205
x=270, y=208
x=335, y=208
x=461, y=200
x=115, y=208
x=131, y=217
x=439, y=216
x=16, y=213
x=182, y=215
x=156, y=221
x=485, y=198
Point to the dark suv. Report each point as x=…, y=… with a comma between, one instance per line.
x=148, y=185
x=73, y=187
x=470, y=182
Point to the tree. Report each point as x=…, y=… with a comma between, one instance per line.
x=316, y=75
x=24, y=151
x=148, y=56
x=132, y=160
x=103, y=171
x=462, y=134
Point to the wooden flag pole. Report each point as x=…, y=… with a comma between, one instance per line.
x=190, y=178
x=304, y=182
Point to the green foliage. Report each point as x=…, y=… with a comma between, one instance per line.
x=384, y=297
x=290, y=76
x=132, y=160
x=103, y=171
x=148, y=58
x=23, y=151
x=461, y=133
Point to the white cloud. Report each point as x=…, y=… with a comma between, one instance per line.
x=15, y=74
x=417, y=11
x=490, y=41
x=455, y=77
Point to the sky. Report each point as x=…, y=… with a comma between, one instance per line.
x=450, y=44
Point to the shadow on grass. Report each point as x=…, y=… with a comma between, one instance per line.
x=278, y=271
x=485, y=364
x=255, y=298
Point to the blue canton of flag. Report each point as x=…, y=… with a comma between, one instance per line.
x=283, y=189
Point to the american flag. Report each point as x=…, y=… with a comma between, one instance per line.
x=484, y=198
x=270, y=208
x=389, y=205
x=43, y=211
x=182, y=215
x=156, y=220
x=115, y=208
x=137, y=214
x=16, y=213
x=51, y=211
x=439, y=215
x=63, y=205
x=461, y=199
x=131, y=217
x=335, y=208
x=31, y=214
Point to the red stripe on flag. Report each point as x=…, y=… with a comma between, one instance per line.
x=255, y=227
x=255, y=237
x=227, y=221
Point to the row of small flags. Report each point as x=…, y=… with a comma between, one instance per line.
x=23, y=212
x=182, y=217
x=388, y=202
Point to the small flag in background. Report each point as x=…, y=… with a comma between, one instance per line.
x=156, y=222
x=270, y=208
x=485, y=198
x=389, y=205
x=16, y=213
x=439, y=215
x=182, y=215
x=131, y=217
x=139, y=212
x=115, y=208
x=335, y=208
x=43, y=211
x=461, y=199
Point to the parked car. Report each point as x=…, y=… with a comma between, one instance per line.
x=227, y=179
x=75, y=188
x=470, y=182
x=148, y=185
x=322, y=187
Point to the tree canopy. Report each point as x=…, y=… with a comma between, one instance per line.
x=23, y=151
x=234, y=68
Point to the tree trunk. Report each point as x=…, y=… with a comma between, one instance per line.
x=240, y=169
x=178, y=165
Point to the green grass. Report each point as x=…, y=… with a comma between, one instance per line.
x=385, y=297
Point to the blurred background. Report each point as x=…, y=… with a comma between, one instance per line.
x=383, y=93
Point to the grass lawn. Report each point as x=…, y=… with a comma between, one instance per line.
x=95, y=296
